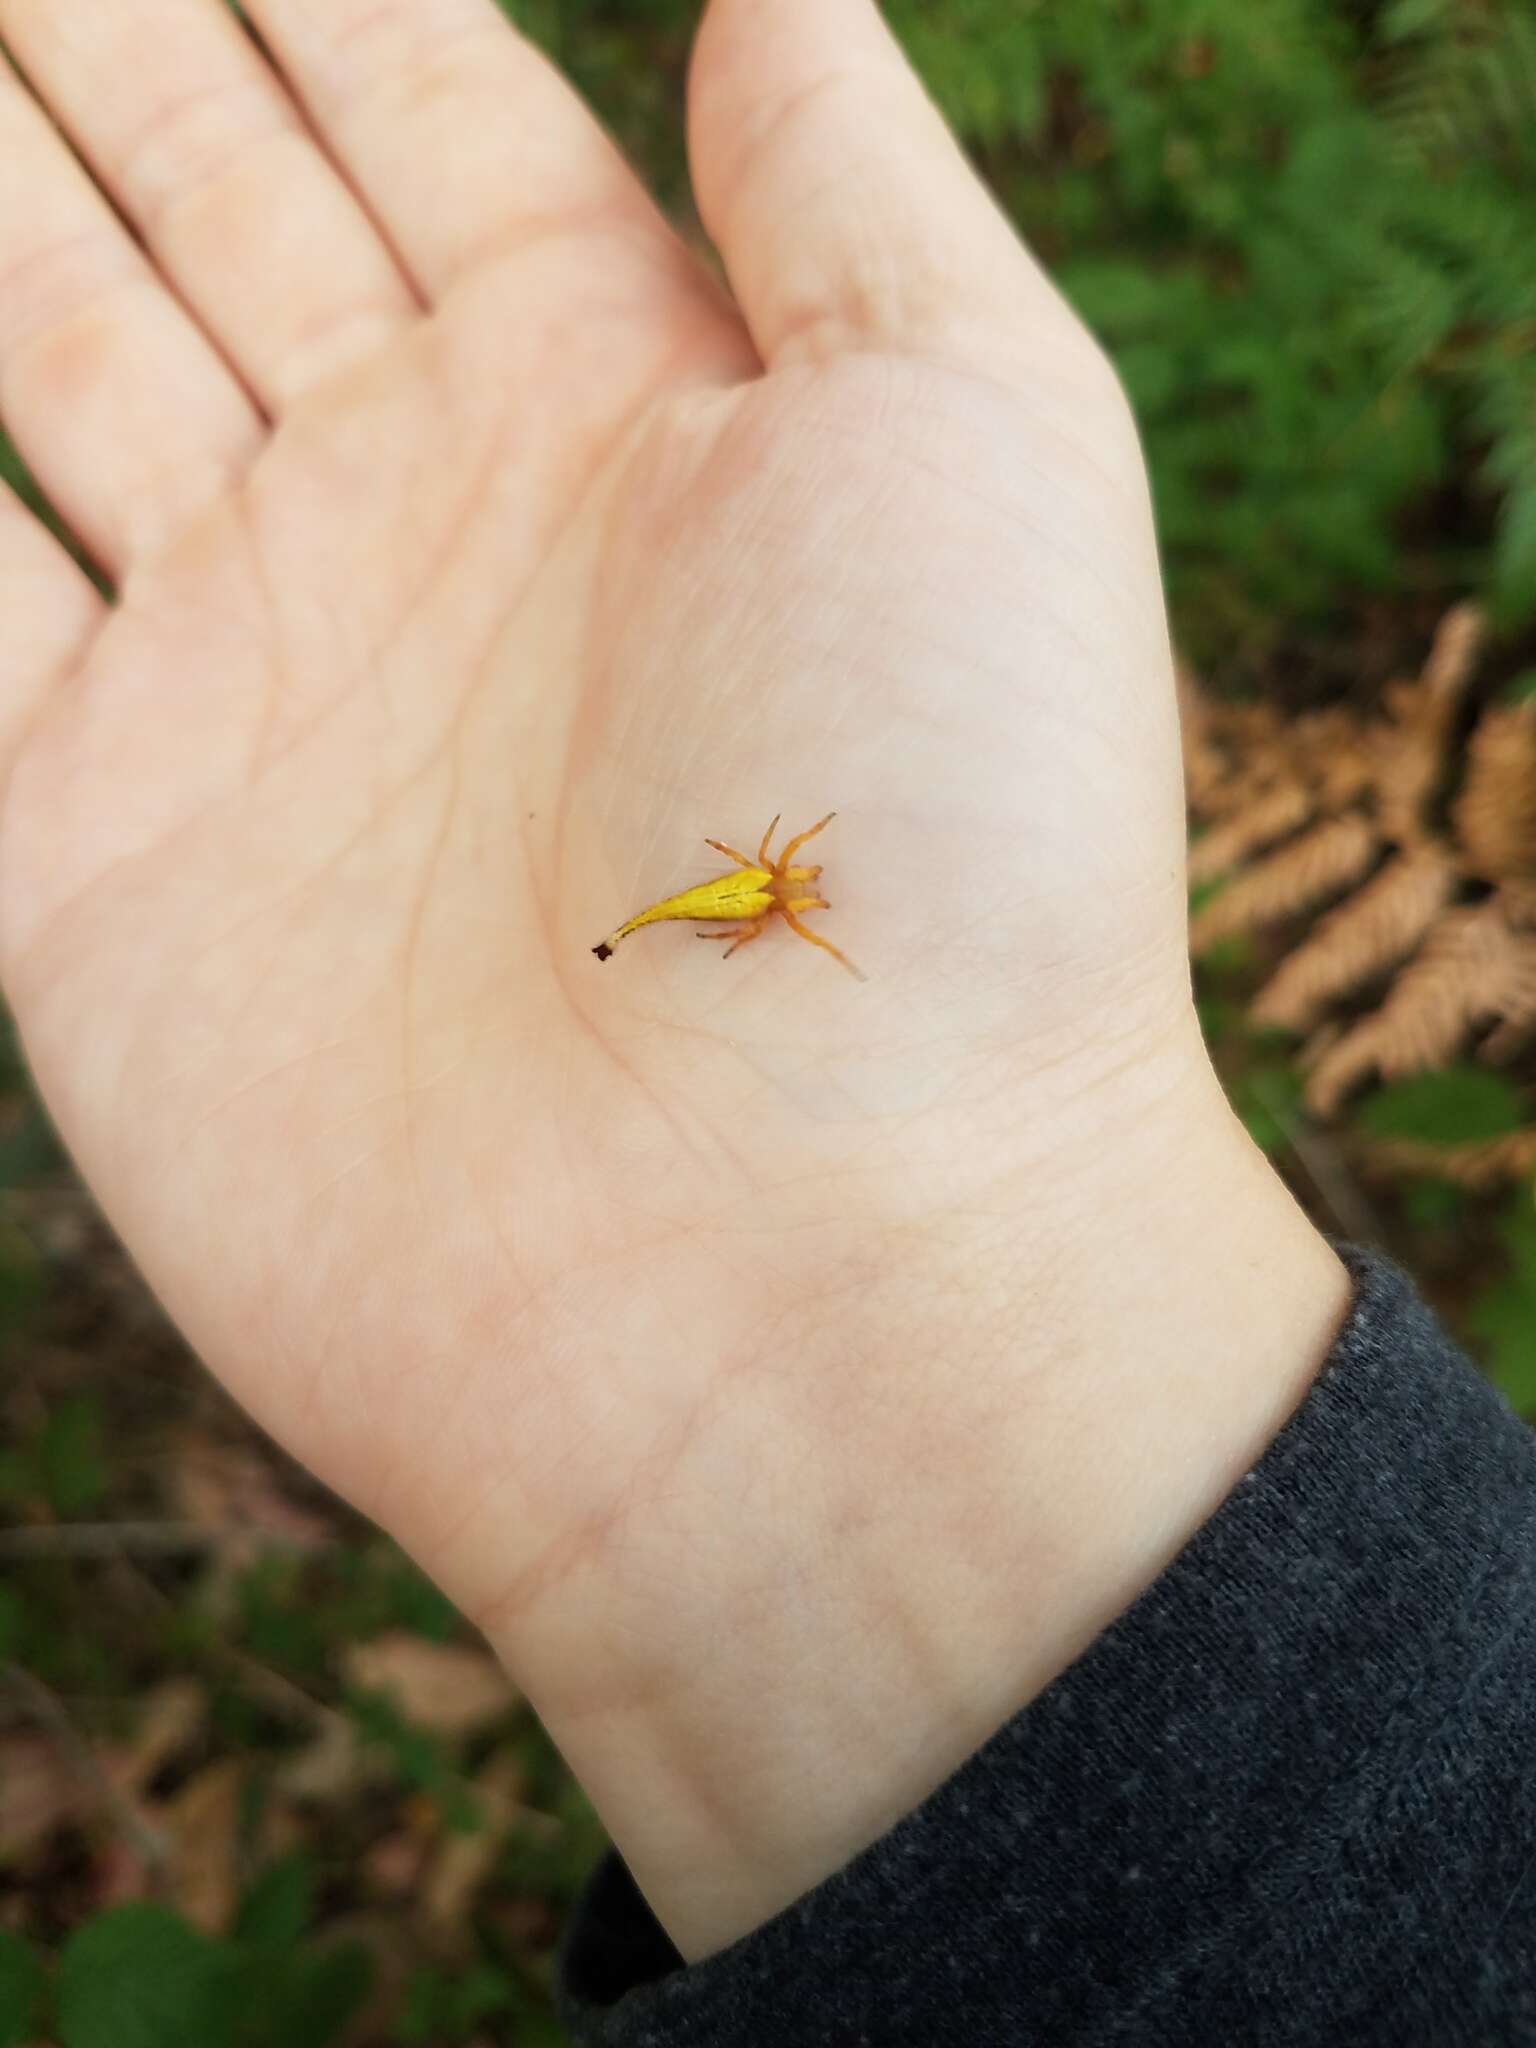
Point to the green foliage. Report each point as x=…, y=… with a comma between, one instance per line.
x=140, y=1977
x=71, y=1456
x=557, y=1865
x=1230, y=959
x=21, y=1287
x=13, y=1621
x=28, y=1147
x=1458, y=1105
x=1268, y=1099
x=278, y=1907
x=301, y=1997
x=627, y=58
x=1221, y=1018
x=1503, y=1317
x=444, y=2007
x=378, y=1588
x=1305, y=241
x=15, y=476
x=294, y=1610
x=420, y=1758
x=279, y=1621
x=1431, y=1204
x=984, y=63
x=21, y=1990
x=61, y=1463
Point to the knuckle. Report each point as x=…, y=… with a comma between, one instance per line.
x=410, y=51
x=343, y=333
x=169, y=493
x=189, y=143
x=60, y=284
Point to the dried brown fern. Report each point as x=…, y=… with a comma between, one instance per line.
x=1268, y=816
x=1305, y=870
x=1494, y=817
x=1484, y=1164
x=1419, y=849
x=1373, y=929
x=1470, y=968
x=1408, y=748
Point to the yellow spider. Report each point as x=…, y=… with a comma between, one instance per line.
x=752, y=895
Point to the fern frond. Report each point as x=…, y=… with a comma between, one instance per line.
x=1473, y=967
x=1332, y=755
x=1377, y=926
x=1517, y=1018
x=1303, y=872
x=1485, y=1164
x=1412, y=304
x=1452, y=653
x=1272, y=815
x=1471, y=97
x=1410, y=744
x=1207, y=769
x=1338, y=804
x=1494, y=816
x=1230, y=750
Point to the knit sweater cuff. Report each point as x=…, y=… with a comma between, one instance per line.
x=1216, y=1824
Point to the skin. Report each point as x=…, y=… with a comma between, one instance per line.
x=791, y=1377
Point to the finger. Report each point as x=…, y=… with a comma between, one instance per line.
x=51, y=612
x=191, y=134
x=465, y=141
x=842, y=206
x=127, y=417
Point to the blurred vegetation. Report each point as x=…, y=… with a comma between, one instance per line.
x=1303, y=230
x=233, y=1808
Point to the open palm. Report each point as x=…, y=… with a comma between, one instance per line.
x=476, y=557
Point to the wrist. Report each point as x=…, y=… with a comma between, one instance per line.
x=948, y=1483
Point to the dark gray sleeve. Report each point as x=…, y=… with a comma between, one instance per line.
x=1289, y=1796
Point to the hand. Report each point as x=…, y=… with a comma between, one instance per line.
x=791, y=1376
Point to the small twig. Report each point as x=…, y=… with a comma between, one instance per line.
x=1356, y=1219
x=44, y=1707
x=143, y=1539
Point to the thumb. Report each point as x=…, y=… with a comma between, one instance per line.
x=844, y=209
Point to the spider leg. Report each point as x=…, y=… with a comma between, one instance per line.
x=817, y=940
x=801, y=837
x=740, y=859
x=743, y=934
x=762, y=852
x=799, y=874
